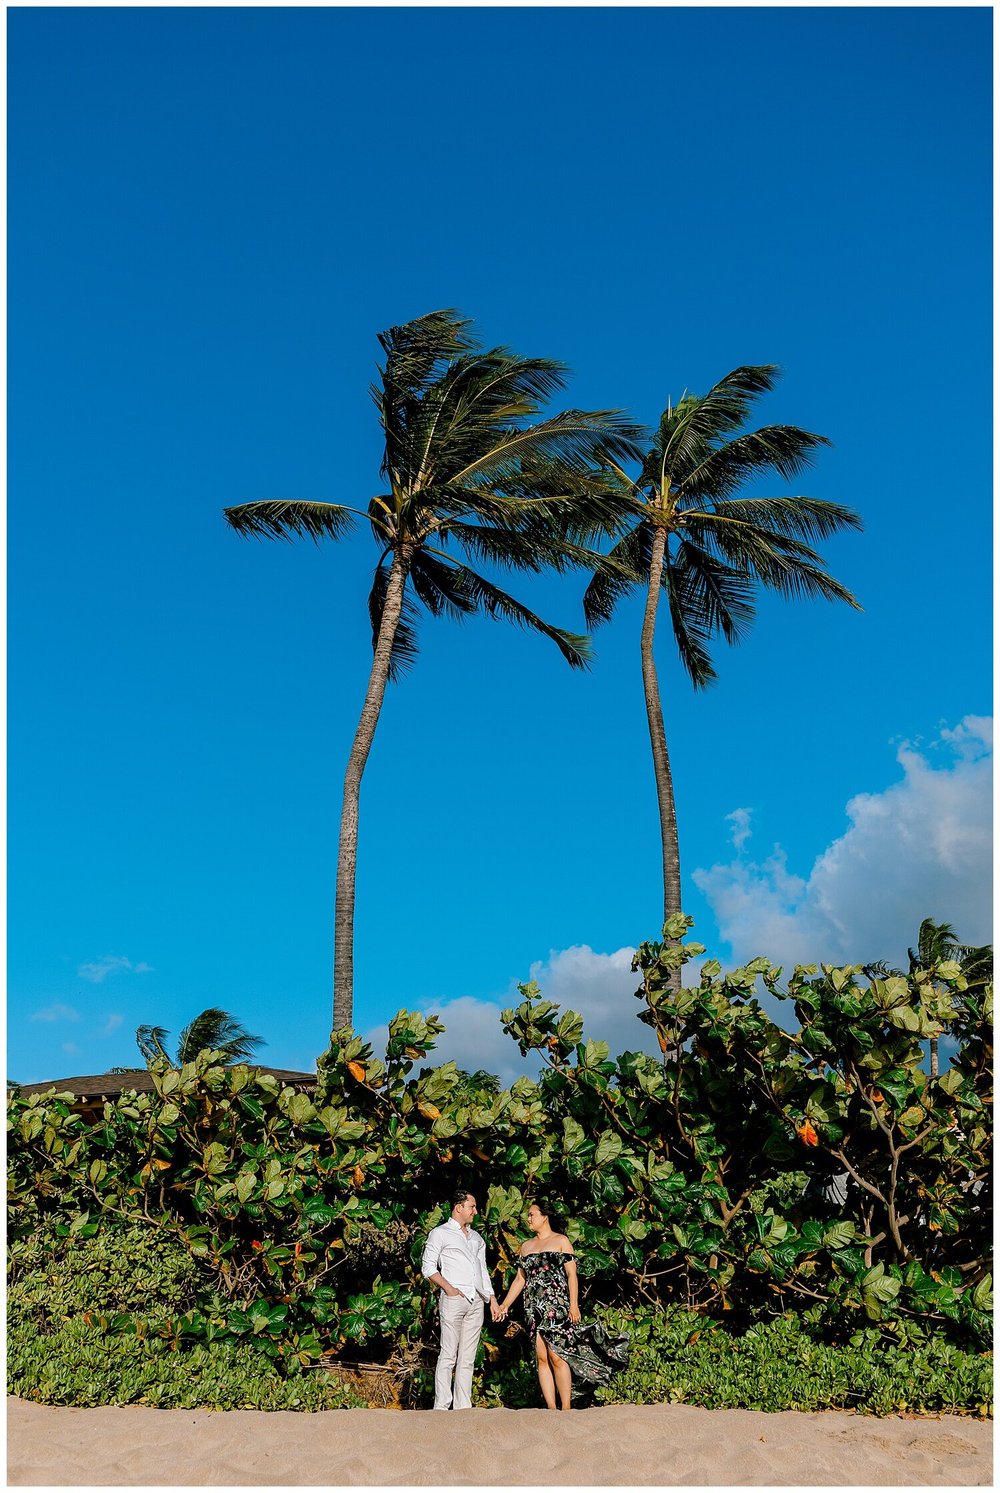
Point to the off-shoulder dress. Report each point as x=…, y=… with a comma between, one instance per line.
x=593, y=1354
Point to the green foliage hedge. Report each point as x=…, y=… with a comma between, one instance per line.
x=679, y=1356
x=751, y=1174
x=83, y=1364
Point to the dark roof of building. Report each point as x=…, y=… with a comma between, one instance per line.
x=110, y=1085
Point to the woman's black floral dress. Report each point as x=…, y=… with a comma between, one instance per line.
x=592, y=1353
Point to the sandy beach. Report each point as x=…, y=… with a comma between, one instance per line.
x=609, y=1446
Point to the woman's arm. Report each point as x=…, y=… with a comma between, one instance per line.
x=574, y=1289
x=516, y=1287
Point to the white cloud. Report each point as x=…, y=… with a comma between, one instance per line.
x=56, y=1012
x=112, y=1024
x=740, y=820
x=473, y=1038
x=98, y=969
x=972, y=737
x=921, y=848
x=599, y=986
x=602, y=988
x=70, y=1047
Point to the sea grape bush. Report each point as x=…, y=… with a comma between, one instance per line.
x=684, y=1357
x=749, y=1173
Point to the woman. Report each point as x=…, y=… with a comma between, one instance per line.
x=565, y=1346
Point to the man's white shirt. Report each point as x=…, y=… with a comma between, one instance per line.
x=459, y=1257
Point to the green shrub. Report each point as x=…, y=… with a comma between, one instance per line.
x=751, y=1173
x=81, y=1364
x=135, y=1268
x=679, y=1356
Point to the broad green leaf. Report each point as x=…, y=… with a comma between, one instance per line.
x=609, y=1148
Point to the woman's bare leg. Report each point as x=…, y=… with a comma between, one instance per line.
x=564, y=1381
x=545, y=1378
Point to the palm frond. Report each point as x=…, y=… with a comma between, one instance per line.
x=417, y=355
x=878, y=969
x=404, y=643
x=784, y=449
x=440, y=586
x=488, y=598
x=606, y=589
x=466, y=411
x=575, y=439
x=779, y=561
x=508, y=547
x=976, y=963
x=540, y=547
x=807, y=518
x=415, y=350
x=290, y=519
x=728, y=403
x=218, y=1029
x=690, y=429
x=721, y=596
x=691, y=634
x=151, y=1042
x=575, y=507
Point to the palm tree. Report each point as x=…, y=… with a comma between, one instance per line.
x=210, y=1028
x=937, y=943
x=464, y=469
x=706, y=548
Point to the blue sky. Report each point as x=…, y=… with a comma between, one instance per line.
x=212, y=214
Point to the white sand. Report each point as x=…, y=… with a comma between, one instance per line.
x=611, y=1445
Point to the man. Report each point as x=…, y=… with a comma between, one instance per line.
x=455, y=1262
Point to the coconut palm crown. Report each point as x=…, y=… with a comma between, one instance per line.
x=471, y=476
x=937, y=943
x=212, y=1027
x=706, y=548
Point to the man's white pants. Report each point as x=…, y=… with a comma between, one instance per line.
x=461, y=1325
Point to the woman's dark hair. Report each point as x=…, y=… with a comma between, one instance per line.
x=555, y=1216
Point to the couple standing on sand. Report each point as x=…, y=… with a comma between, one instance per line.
x=565, y=1346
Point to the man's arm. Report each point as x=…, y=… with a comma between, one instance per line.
x=485, y=1284
x=438, y=1280
x=429, y=1265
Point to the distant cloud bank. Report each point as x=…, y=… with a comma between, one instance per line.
x=600, y=986
x=921, y=848
x=98, y=969
x=56, y=1012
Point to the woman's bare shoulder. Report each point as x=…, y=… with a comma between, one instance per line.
x=561, y=1242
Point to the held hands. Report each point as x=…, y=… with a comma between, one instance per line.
x=497, y=1312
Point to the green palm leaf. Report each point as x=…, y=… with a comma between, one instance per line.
x=496, y=603
x=575, y=440
x=284, y=519
x=151, y=1042
x=806, y=518
x=719, y=595
x=441, y=587
x=217, y=1029
x=404, y=641
x=775, y=448
x=606, y=588
x=691, y=632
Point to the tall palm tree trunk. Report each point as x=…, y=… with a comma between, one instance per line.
x=657, y=735
x=347, y=855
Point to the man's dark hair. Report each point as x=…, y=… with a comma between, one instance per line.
x=460, y=1194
